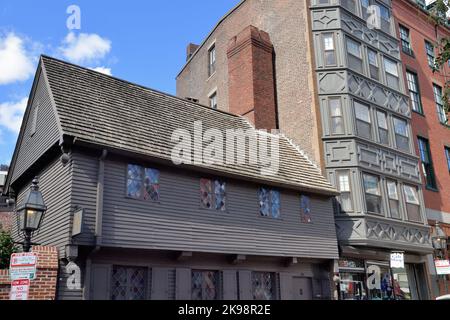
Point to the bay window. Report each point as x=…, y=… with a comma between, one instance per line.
x=383, y=130
x=401, y=134
x=363, y=120
x=373, y=64
x=412, y=203
x=337, y=120
x=392, y=77
x=372, y=193
x=329, y=49
x=345, y=191
x=354, y=56
x=394, y=201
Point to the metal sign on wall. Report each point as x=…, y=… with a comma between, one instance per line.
x=442, y=267
x=20, y=289
x=23, y=266
x=397, y=260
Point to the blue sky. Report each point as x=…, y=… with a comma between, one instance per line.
x=140, y=41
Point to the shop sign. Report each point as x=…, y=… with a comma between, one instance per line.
x=20, y=289
x=374, y=278
x=397, y=260
x=442, y=267
x=349, y=263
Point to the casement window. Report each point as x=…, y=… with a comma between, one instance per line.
x=372, y=193
x=447, y=154
x=427, y=163
x=344, y=185
x=212, y=60
x=392, y=78
x=430, y=54
x=213, y=194
x=142, y=183
x=264, y=285
x=354, y=55
x=405, y=40
x=337, y=119
x=439, y=103
x=213, y=100
x=205, y=285
x=363, y=120
x=269, y=203
x=412, y=203
x=373, y=64
x=329, y=49
x=401, y=134
x=414, y=92
x=394, y=200
x=128, y=283
x=383, y=130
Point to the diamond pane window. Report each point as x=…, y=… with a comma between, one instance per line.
x=142, y=183
x=269, y=203
x=213, y=194
x=128, y=283
x=263, y=285
x=305, y=206
x=205, y=285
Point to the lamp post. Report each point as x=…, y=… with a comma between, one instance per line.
x=30, y=213
x=439, y=240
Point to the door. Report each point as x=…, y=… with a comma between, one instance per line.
x=302, y=288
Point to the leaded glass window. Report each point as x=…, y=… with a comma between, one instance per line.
x=264, y=285
x=305, y=207
x=128, y=283
x=205, y=285
x=142, y=183
x=213, y=194
x=269, y=203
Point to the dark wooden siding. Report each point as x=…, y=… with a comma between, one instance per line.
x=55, y=185
x=47, y=132
x=178, y=222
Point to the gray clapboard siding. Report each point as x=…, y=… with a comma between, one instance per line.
x=55, y=185
x=63, y=292
x=45, y=136
x=178, y=222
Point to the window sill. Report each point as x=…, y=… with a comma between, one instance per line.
x=418, y=113
x=212, y=75
x=431, y=189
x=409, y=53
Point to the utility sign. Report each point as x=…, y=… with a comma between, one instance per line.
x=23, y=266
x=20, y=289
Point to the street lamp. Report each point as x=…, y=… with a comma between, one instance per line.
x=30, y=213
x=439, y=240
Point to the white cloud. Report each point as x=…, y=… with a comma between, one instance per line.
x=84, y=47
x=15, y=62
x=104, y=70
x=11, y=114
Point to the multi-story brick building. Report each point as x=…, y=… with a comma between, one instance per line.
x=331, y=81
x=431, y=131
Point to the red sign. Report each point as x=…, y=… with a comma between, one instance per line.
x=19, y=289
x=26, y=259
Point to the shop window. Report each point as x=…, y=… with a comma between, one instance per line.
x=264, y=285
x=392, y=78
x=128, y=283
x=363, y=120
x=337, y=120
x=414, y=92
x=372, y=193
x=412, y=203
x=401, y=134
x=394, y=200
x=213, y=194
x=205, y=285
x=345, y=198
x=269, y=203
x=373, y=64
x=142, y=183
x=354, y=56
x=383, y=130
x=427, y=163
x=329, y=49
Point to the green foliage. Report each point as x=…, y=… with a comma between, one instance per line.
x=438, y=14
x=7, y=248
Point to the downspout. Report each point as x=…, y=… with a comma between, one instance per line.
x=98, y=223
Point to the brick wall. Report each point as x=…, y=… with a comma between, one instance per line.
x=44, y=287
x=427, y=125
x=5, y=220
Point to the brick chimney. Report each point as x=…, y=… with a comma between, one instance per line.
x=191, y=48
x=251, y=82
